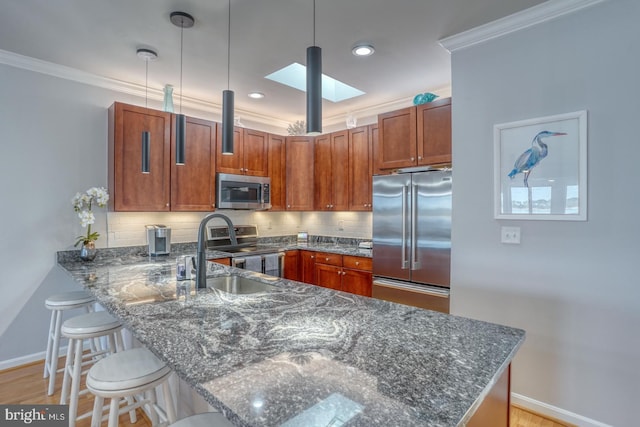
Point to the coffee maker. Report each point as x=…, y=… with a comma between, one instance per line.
x=159, y=239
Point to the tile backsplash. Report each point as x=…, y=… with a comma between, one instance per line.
x=128, y=228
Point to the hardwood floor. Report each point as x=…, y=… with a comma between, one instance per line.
x=25, y=385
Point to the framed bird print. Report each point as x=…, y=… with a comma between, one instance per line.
x=540, y=168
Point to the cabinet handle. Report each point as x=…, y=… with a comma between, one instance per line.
x=339, y=272
x=312, y=257
x=327, y=206
x=419, y=157
x=357, y=262
x=167, y=205
x=344, y=273
x=326, y=259
x=413, y=158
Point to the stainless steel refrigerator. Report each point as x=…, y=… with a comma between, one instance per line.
x=412, y=238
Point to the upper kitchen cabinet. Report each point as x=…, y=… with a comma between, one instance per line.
x=277, y=172
x=414, y=136
x=361, y=142
x=132, y=189
x=299, y=175
x=331, y=172
x=250, y=153
x=193, y=184
x=434, y=132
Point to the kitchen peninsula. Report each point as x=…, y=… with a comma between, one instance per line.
x=302, y=353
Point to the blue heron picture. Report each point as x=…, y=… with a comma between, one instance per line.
x=533, y=156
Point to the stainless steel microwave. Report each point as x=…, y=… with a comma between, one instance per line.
x=242, y=192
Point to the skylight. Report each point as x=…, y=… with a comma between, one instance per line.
x=295, y=76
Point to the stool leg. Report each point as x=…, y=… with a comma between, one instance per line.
x=153, y=414
x=168, y=401
x=47, y=359
x=132, y=413
x=75, y=383
x=53, y=359
x=119, y=343
x=96, y=417
x=113, y=412
x=66, y=374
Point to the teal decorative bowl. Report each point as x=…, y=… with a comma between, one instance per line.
x=423, y=98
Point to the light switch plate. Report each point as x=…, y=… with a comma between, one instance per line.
x=510, y=235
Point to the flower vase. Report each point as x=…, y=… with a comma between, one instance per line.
x=88, y=251
x=168, y=99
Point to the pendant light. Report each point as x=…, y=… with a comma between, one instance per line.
x=182, y=20
x=227, y=100
x=314, y=84
x=146, y=55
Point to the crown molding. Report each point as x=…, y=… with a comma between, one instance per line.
x=75, y=75
x=535, y=15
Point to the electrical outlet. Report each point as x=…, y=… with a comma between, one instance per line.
x=510, y=235
x=341, y=225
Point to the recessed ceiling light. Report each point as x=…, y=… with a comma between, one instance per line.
x=363, y=50
x=256, y=95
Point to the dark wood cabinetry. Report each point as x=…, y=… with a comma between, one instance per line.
x=361, y=141
x=193, y=184
x=250, y=153
x=299, y=176
x=308, y=267
x=291, y=265
x=331, y=172
x=277, y=172
x=344, y=273
x=130, y=188
x=414, y=136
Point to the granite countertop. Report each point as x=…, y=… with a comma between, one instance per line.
x=301, y=352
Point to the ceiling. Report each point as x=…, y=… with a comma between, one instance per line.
x=101, y=37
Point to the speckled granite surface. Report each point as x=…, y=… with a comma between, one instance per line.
x=302, y=355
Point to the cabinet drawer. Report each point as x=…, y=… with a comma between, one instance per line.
x=356, y=262
x=330, y=259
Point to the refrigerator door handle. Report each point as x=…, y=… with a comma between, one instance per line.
x=404, y=262
x=415, y=264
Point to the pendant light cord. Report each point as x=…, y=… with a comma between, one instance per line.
x=314, y=22
x=146, y=83
x=181, y=48
x=229, y=46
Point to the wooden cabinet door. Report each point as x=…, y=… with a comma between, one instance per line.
x=299, y=180
x=308, y=267
x=230, y=163
x=357, y=282
x=322, y=173
x=193, y=184
x=130, y=189
x=291, y=268
x=277, y=172
x=397, y=139
x=434, y=132
x=329, y=276
x=256, y=149
x=360, y=169
x=340, y=171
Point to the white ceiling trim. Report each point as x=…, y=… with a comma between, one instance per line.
x=534, y=15
x=68, y=73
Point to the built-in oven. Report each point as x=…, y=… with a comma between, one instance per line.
x=243, y=192
x=247, y=253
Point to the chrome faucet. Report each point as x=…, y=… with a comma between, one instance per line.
x=201, y=265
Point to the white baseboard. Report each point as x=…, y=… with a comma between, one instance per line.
x=554, y=412
x=35, y=357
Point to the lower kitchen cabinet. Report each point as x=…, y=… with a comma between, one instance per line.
x=344, y=273
x=291, y=269
x=308, y=267
x=223, y=261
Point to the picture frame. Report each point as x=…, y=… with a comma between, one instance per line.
x=540, y=168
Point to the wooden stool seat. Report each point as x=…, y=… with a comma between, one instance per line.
x=89, y=326
x=126, y=374
x=57, y=304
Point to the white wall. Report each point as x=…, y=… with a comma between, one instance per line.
x=571, y=285
x=54, y=144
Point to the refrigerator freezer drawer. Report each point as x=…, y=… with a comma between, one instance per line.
x=421, y=296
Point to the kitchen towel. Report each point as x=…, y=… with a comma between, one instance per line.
x=253, y=263
x=271, y=264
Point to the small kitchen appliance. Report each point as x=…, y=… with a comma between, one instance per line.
x=159, y=239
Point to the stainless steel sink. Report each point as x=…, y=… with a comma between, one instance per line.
x=238, y=285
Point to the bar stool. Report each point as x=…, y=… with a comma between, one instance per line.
x=57, y=304
x=86, y=326
x=136, y=372
x=206, y=419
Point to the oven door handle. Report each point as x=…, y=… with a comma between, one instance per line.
x=235, y=262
